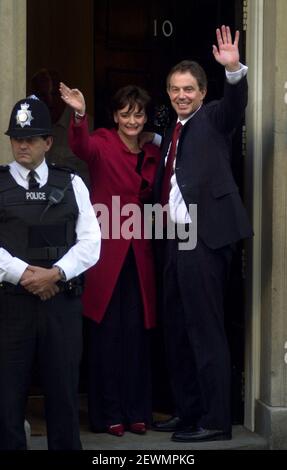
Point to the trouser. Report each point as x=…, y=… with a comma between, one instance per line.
x=196, y=344
x=50, y=332
x=119, y=389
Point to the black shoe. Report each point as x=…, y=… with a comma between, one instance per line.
x=200, y=435
x=169, y=425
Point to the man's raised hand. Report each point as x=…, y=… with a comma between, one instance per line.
x=226, y=52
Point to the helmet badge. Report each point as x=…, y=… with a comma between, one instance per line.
x=24, y=116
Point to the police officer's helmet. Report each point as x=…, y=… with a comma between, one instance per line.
x=30, y=117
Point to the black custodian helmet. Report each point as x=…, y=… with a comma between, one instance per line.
x=30, y=117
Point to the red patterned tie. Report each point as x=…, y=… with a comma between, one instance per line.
x=169, y=164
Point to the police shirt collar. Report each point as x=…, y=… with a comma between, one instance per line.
x=41, y=171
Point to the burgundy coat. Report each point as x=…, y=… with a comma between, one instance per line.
x=112, y=170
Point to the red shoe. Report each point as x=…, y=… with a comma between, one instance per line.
x=116, y=429
x=138, y=428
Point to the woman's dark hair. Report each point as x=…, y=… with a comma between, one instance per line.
x=193, y=68
x=131, y=95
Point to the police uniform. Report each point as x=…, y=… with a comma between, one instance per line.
x=52, y=225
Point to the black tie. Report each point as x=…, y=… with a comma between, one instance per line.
x=33, y=184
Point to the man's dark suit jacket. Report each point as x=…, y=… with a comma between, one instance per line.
x=203, y=169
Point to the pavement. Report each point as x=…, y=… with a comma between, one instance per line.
x=152, y=440
x=242, y=438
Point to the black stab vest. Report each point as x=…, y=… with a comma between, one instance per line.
x=29, y=229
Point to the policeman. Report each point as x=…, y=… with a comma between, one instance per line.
x=49, y=235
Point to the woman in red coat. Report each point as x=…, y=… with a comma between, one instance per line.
x=119, y=296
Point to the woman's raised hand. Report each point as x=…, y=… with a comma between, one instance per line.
x=73, y=98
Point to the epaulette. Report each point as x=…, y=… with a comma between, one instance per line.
x=54, y=166
x=4, y=168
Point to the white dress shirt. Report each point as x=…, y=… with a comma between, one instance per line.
x=86, y=251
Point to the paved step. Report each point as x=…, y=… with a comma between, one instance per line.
x=242, y=439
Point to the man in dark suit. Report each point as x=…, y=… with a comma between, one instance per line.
x=195, y=280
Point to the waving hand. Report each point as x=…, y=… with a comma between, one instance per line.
x=73, y=98
x=226, y=52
